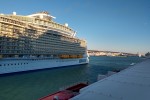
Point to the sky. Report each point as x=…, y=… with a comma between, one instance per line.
x=107, y=25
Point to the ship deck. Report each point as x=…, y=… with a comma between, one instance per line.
x=132, y=83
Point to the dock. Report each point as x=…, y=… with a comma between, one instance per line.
x=132, y=83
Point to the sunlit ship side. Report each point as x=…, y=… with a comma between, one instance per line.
x=37, y=42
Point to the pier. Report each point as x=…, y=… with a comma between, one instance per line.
x=132, y=83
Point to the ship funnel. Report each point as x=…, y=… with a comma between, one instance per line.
x=14, y=13
x=66, y=24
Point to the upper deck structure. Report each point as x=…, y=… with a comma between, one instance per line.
x=38, y=35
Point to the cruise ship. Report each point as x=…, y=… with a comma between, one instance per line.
x=35, y=42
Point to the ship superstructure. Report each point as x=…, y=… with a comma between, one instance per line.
x=38, y=37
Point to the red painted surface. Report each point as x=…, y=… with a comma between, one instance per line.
x=65, y=94
x=61, y=95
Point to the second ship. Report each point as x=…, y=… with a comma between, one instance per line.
x=37, y=42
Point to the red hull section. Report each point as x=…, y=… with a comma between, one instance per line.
x=65, y=94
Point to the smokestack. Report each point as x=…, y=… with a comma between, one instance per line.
x=14, y=13
x=66, y=24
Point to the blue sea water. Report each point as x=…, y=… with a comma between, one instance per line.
x=36, y=84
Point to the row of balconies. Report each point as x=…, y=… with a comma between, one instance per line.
x=60, y=37
x=38, y=52
x=26, y=47
x=10, y=20
x=48, y=39
x=67, y=30
x=52, y=24
x=53, y=36
x=54, y=51
x=42, y=44
x=55, y=40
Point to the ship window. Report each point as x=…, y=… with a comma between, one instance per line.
x=0, y=65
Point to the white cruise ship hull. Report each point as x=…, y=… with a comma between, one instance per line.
x=20, y=65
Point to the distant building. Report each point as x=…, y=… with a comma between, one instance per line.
x=108, y=53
